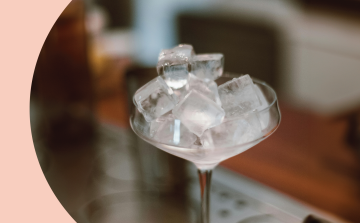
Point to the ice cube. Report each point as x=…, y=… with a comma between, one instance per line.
x=154, y=99
x=182, y=52
x=249, y=129
x=167, y=129
x=175, y=75
x=209, y=89
x=181, y=93
x=264, y=116
x=231, y=133
x=207, y=66
x=141, y=126
x=198, y=113
x=197, y=144
x=238, y=97
x=173, y=65
x=154, y=126
x=215, y=93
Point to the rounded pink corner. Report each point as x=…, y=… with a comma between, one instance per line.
x=25, y=193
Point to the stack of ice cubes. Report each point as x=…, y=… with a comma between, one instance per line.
x=185, y=107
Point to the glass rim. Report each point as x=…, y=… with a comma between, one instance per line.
x=229, y=75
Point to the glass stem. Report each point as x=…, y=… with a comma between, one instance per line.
x=205, y=182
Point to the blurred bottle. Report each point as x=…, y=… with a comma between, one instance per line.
x=62, y=81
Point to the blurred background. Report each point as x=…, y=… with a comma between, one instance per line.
x=100, y=51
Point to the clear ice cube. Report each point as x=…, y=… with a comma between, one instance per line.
x=173, y=65
x=238, y=97
x=207, y=66
x=233, y=132
x=140, y=124
x=249, y=129
x=154, y=125
x=167, y=129
x=181, y=93
x=198, y=113
x=215, y=93
x=197, y=144
x=154, y=99
x=209, y=89
x=264, y=116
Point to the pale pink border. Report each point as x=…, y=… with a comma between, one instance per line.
x=25, y=195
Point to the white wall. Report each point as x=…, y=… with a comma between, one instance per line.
x=324, y=63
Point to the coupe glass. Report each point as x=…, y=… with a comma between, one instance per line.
x=207, y=159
